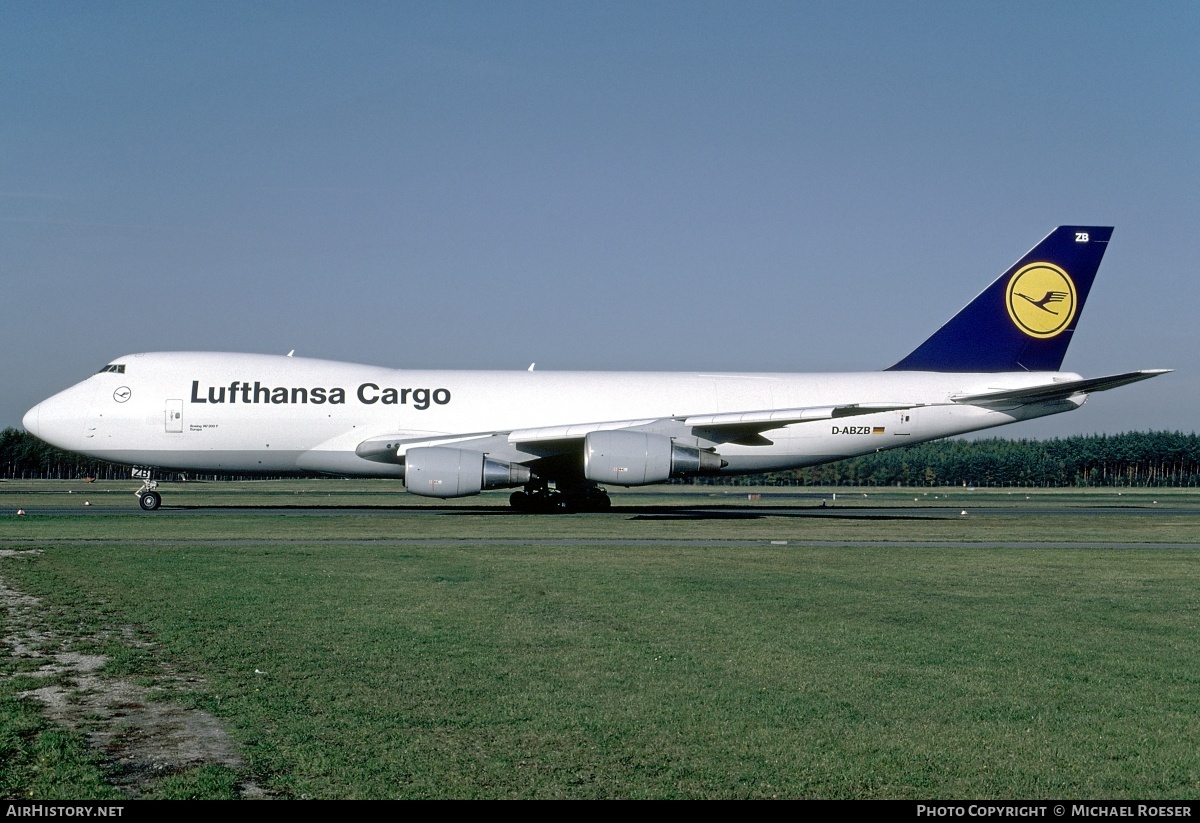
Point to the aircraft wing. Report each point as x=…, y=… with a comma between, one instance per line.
x=743, y=428
x=746, y=428
x=1057, y=391
x=385, y=447
x=740, y=428
x=753, y=422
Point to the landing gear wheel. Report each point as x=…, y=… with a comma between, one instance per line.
x=587, y=499
x=538, y=499
x=150, y=501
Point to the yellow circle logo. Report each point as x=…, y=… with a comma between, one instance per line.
x=1041, y=300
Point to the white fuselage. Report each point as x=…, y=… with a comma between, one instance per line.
x=248, y=413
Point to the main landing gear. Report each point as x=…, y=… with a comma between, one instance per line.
x=540, y=498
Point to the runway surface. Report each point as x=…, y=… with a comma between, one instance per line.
x=600, y=541
x=640, y=513
x=703, y=512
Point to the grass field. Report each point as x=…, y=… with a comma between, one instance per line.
x=354, y=643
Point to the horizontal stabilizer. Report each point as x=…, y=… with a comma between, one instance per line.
x=1058, y=391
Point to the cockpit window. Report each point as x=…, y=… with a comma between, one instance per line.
x=115, y=368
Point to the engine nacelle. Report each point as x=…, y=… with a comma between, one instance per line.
x=625, y=458
x=438, y=471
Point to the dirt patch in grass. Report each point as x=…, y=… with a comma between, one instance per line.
x=142, y=734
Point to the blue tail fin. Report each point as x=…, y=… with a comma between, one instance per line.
x=1025, y=319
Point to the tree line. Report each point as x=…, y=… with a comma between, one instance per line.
x=1130, y=459
x=24, y=457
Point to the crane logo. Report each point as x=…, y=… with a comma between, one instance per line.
x=1041, y=300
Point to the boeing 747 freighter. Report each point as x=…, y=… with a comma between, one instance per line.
x=559, y=437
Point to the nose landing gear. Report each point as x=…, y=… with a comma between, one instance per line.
x=147, y=497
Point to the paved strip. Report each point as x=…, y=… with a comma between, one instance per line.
x=601, y=541
x=713, y=512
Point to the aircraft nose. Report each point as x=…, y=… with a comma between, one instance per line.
x=30, y=420
x=58, y=420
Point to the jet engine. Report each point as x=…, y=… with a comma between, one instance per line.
x=626, y=458
x=438, y=471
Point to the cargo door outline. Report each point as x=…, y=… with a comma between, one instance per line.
x=174, y=416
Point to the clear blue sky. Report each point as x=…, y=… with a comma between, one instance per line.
x=749, y=186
